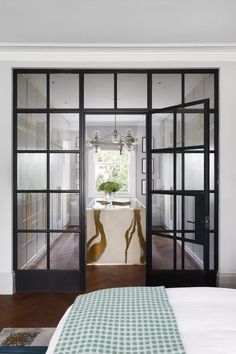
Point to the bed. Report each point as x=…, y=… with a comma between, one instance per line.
x=206, y=320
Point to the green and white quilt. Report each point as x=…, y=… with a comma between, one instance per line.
x=123, y=320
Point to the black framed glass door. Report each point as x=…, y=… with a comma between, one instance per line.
x=180, y=250
x=48, y=185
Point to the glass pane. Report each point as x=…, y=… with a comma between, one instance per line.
x=31, y=211
x=178, y=212
x=162, y=253
x=99, y=91
x=189, y=206
x=178, y=171
x=64, y=209
x=193, y=129
x=31, y=90
x=194, y=171
x=212, y=131
x=179, y=130
x=193, y=255
x=179, y=254
x=31, y=171
x=64, y=90
x=212, y=251
x=31, y=131
x=31, y=251
x=198, y=87
x=132, y=90
x=212, y=211
x=63, y=171
x=162, y=130
x=162, y=212
x=64, y=131
x=163, y=171
x=166, y=90
x=64, y=251
x=212, y=171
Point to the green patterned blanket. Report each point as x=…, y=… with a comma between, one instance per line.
x=136, y=320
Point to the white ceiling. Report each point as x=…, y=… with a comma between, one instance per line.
x=117, y=21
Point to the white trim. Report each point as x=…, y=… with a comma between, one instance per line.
x=86, y=54
x=6, y=283
x=226, y=280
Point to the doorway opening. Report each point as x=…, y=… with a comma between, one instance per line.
x=170, y=170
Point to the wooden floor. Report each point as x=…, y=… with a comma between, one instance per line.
x=46, y=309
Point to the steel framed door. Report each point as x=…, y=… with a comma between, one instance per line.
x=178, y=192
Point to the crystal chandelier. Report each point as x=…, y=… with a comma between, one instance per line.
x=126, y=141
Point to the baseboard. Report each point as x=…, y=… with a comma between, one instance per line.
x=226, y=280
x=6, y=283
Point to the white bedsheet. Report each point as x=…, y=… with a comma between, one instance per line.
x=206, y=319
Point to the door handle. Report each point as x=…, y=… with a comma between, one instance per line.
x=195, y=222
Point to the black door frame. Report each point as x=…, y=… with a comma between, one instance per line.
x=181, y=277
x=53, y=279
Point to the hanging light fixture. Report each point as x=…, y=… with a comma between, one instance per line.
x=126, y=141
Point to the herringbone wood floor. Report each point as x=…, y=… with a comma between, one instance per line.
x=46, y=309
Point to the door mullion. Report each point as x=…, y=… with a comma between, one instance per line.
x=206, y=183
x=174, y=185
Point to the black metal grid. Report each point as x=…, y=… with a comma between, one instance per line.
x=22, y=282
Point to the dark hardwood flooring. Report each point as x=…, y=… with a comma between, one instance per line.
x=46, y=309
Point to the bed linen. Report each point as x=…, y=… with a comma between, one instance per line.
x=206, y=319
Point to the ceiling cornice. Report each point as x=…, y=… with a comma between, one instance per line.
x=118, y=52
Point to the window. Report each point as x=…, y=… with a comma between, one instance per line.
x=109, y=165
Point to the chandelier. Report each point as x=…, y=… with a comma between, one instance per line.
x=125, y=141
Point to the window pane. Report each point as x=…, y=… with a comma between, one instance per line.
x=132, y=90
x=111, y=166
x=166, y=90
x=64, y=211
x=194, y=171
x=162, y=252
x=31, y=171
x=162, y=212
x=31, y=90
x=198, y=87
x=193, y=129
x=64, y=131
x=64, y=251
x=99, y=91
x=63, y=171
x=163, y=171
x=193, y=255
x=31, y=131
x=31, y=211
x=162, y=130
x=31, y=251
x=64, y=90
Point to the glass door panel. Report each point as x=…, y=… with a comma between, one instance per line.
x=179, y=202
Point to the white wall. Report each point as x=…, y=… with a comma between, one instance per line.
x=126, y=59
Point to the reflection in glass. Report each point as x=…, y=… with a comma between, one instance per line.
x=166, y=90
x=162, y=130
x=194, y=171
x=31, y=91
x=162, y=253
x=198, y=87
x=99, y=91
x=31, y=171
x=31, y=131
x=63, y=171
x=193, y=129
x=31, y=251
x=64, y=90
x=64, y=131
x=193, y=256
x=162, y=212
x=64, y=251
x=189, y=206
x=132, y=90
x=64, y=211
x=31, y=211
